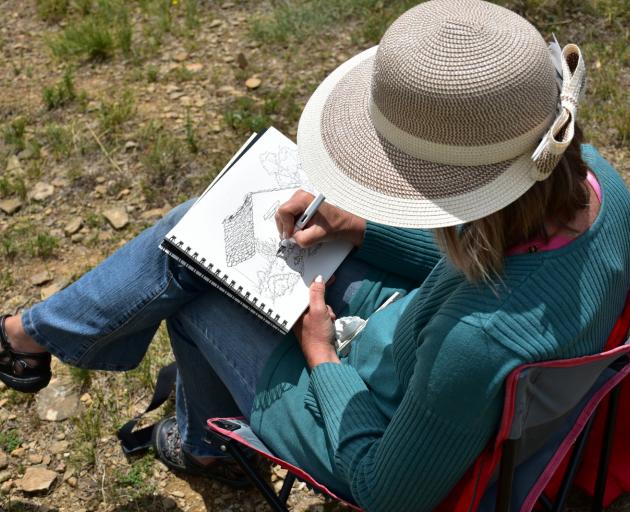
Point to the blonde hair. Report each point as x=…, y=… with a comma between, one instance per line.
x=478, y=247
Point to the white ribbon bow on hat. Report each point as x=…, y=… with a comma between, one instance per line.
x=571, y=79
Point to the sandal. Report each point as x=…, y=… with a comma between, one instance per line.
x=168, y=447
x=27, y=372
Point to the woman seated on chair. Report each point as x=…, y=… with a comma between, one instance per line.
x=450, y=158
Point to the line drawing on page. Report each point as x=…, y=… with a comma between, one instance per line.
x=243, y=242
x=283, y=166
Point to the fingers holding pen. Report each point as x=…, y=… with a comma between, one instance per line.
x=289, y=211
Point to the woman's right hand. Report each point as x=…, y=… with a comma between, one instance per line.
x=329, y=223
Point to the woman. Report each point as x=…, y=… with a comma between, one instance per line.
x=456, y=123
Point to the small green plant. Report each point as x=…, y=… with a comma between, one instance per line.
x=124, y=32
x=52, y=10
x=113, y=115
x=6, y=279
x=152, y=74
x=191, y=137
x=91, y=38
x=80, y=375
x=191, y=11
x=12, y=186
x=93, y=220
x=87, y=433
x=136, y=480
x=27, y=240
x=182, y=74
x=61, y=94
x=245, y=116
x=14, y=134
x=59, y=139
x=43, y=245
x=105, y=27
x=10, y=439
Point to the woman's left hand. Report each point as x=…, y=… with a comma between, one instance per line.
x=316, y=330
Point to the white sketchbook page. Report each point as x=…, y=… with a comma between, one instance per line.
x=233, y=228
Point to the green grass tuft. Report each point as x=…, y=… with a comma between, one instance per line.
x=112, y=115
x=105, y=27
x=61, y=94
x=191, y=136
x=52, y=11
x=59, y=140
x=15, y=134
x=10, y=439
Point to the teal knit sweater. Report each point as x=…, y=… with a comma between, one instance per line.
x=397, y=424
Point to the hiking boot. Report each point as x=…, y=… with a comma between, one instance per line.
x=168, y=447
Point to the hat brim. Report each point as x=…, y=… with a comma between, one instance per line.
x=347, y=160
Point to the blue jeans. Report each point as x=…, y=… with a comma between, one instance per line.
x=106, y=320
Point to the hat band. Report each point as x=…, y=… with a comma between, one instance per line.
x=456, y=155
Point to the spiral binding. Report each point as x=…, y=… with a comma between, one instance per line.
x=213, y=275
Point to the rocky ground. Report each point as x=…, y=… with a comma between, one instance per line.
x=103, y=131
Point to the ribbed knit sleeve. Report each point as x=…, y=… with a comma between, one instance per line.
x=409, y=462
x=411, y=253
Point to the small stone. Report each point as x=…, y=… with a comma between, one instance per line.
x=177, y=494
x=60, y=436
x=41, y=191
x=4, y=460
x=241, y=60
x=57, y=447
x=156, y=213
x=72, y=481
x=6, y=486
x=35, y=458
x=46, y=460
x=18, y=452
x=13, y=165
x=48, y=291
x=60, y=182
x=10, y=206
x=253, y=83
x=100, y=190
x=41, y=278
x=130, y=144
x=180, y=56
x=100, y=179
x=215, y=23
x=117, y=217
x=104, y=236
x=194, y=67
x=37, y=479
x=228, y=59
x=73, y=226
x=58, y=401
x=5, y=475
x=77, y=237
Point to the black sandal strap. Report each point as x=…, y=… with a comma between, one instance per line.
x=4, y=340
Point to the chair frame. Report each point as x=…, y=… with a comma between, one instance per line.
x=507, y=468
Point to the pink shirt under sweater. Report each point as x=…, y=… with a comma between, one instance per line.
x=558, y=241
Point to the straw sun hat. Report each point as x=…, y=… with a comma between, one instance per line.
x=458, y=112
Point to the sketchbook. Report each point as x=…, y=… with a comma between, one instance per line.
x=229, y=236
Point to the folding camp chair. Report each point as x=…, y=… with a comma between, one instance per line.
x=548, y=411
